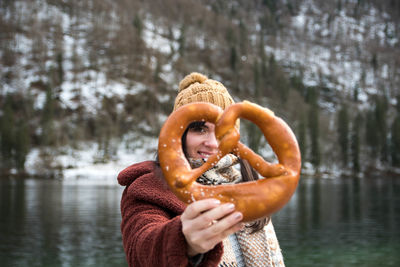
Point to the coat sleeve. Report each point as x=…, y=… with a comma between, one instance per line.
x=152, y=237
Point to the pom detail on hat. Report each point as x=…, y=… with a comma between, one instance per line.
x=196, y=87
x=190, y=79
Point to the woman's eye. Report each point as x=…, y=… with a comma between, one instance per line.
x=200, y=129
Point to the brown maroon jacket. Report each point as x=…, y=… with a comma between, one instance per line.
x=151, y=226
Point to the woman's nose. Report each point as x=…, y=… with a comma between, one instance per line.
x=211, y=140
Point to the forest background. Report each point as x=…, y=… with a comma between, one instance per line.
x=99, y=77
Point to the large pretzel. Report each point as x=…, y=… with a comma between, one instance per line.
x=254, y=199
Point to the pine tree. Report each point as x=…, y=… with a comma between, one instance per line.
x=314, y=136
x=263, y=58
x=271, y=4
x=182, y=41
x=7, y=137
x=157, y=70
x=355, y=143
x=60, y=69
x=377, y=130
x=106, y=128
x=282, y=86
x=343, y=132
x=257, y=80
x=48, y=135
x=302, y=137
x=395, y=137
x=21, y=145
x=356, y=91
x=395, y=142
x=381, y=107
x=232, y=43
x=339, y=5
x=371, y=133
x=171, y=38
x=243, y=38
x=233, y=58
x=137, y=23
x=313, y=124
x=296, y=82
x=374, y=61
x=272, y=65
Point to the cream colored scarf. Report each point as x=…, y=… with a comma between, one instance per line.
x=257, y=249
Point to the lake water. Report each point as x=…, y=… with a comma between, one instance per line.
x=328, y=222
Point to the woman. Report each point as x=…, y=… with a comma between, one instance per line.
x=160, y=230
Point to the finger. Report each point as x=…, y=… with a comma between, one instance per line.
x=196, y=208
x=215, y=238
x=220, y=211
x=225, y=226
x=207, y=218
x=205, y=239
x=229, y=223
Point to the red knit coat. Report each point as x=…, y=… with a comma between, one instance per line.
x=151, y=226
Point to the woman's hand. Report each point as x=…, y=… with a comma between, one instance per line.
x=207, y=222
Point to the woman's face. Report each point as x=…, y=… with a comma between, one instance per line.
x=201, y=142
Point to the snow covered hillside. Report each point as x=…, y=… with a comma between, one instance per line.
x=86, y=85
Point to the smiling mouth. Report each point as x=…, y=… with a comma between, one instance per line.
x=205, y=155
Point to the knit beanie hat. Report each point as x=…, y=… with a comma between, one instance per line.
x=196, y=87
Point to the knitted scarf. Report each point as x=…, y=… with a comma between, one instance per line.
x=256, y=249
x=221, y=173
